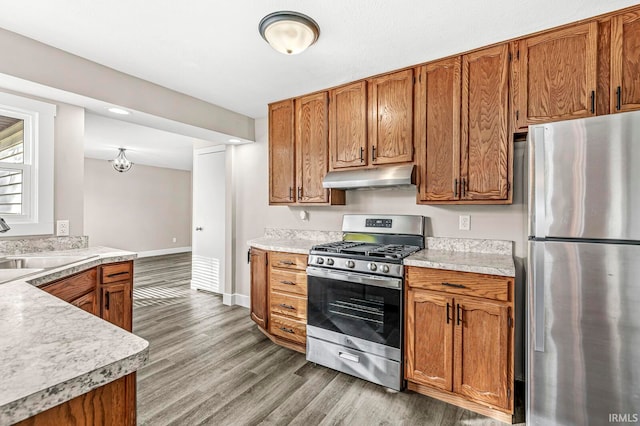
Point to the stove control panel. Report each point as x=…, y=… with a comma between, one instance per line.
x=357, y=265
x=378, y=223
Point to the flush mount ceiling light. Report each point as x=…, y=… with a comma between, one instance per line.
x=289, y=32
x=121, y=163
x=118, y=111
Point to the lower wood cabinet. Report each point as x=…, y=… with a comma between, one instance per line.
x=105, y=291
x=460, y=339
x=279, y=296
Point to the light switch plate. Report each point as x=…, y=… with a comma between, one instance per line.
x=464, y=223
x=62, y=228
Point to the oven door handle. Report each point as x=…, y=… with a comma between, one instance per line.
x=355, y=277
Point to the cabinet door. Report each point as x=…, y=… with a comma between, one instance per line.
x=88, y=302
x=486, y=151
x=625, y=62
x=312, y=147
x=429, y=334
x=557, y=75
x=391, y=118
x=281, y=153
x=481, y=340
x=348, y=126
x=440, y=154
x=117, y=304
x=259, y=287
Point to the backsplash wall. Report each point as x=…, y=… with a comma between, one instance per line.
x=253, y=213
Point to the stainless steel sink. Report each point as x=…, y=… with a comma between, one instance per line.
x=39, y=262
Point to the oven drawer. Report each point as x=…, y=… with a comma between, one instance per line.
x=288, y=328
x=288, y=260
x=292, y=306
x=367, y=366
x=289, y=281
x=465, y=283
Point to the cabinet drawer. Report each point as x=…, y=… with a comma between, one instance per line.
x=288, y=260
x=465, y=283
x=289, y=281
x=292, y=306
x=116, y=272
x=71, y=288
x=288, y=329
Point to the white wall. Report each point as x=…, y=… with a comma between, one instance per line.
x=253, y=213
x=140, y=210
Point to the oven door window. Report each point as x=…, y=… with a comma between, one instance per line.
x=365, y=311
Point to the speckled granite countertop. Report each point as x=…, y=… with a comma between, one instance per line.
x=293, y=240
x=51, y=351
x=493, y=257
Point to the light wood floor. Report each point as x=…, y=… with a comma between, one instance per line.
x=209, y=364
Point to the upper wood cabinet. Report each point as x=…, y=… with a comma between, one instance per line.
x=390, y=99
x=348, y=126
x=259, y=308
x=282, y=158
x=625, y=62
x=486, y=147
x=556, y=75
x=437, y=130
x=312, y=146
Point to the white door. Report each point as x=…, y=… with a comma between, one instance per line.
x=207, y=270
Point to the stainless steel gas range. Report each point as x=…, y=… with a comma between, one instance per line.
x=355, y=297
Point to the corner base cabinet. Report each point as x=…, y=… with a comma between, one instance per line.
x=104, y=291
x=279, y=297
x=459, y=337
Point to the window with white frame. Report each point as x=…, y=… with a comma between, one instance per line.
x=26, y=165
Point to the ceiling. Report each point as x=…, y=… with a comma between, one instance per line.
x=212, y=50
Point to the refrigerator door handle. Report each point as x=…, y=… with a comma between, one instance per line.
x=537, y=280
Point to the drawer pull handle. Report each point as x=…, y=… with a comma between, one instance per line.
x=115, y=274
x=349, y=357
x=448, y=313
x=459, y=314
x=284, y=305
x=287, y=330
x=454, y=285
x=287, y=262
x=106, y=302
x=287, y=282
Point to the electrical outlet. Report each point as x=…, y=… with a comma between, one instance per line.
x=62, y=227
x=464, y=222
x=175, y=239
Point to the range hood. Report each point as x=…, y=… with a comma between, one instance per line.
x=389, y=176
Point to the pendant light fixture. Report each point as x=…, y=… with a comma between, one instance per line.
x=121, y=163
x=289, y=32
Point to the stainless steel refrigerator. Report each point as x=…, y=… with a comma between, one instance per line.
x=583, y=291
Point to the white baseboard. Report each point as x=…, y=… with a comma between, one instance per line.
x=161, y=252
x=236, y=299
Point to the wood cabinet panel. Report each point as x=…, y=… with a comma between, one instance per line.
x=557, y=75
x=312, y=145
x=116, y=272
x=288, y=328
x=287, y=281
x=259, y=312
x=73, y=287
x=282, y=158
x=463, y=283
x=625, y=62
x=288, y=260
x=117, y=304
x=348, y=126
x=482, y=351
x=440, y=147
x=486, y=141
x=429, y=339
x=288, y=305
x=390, y=100
x=88, y=303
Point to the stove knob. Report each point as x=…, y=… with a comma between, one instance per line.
x=350, y=264
x=319, y=261
x=372, y=266
x=329, y=261
x=385, y=268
